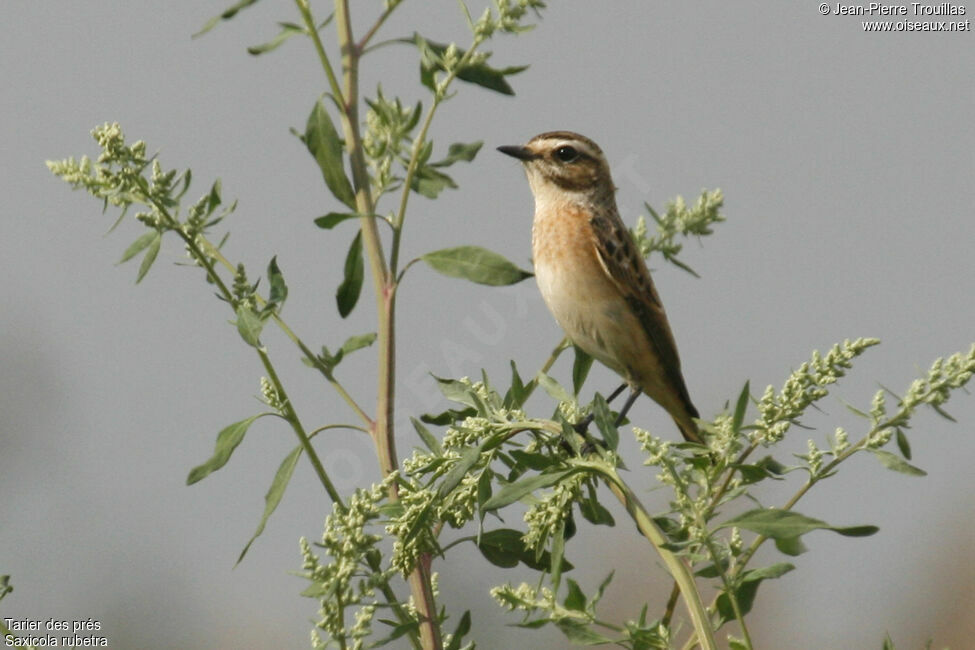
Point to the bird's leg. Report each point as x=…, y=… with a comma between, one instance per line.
x=626, y=406
x=583, y=425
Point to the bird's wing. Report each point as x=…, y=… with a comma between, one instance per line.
x=622, y=262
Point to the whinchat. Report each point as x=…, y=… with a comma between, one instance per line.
x=592, y=276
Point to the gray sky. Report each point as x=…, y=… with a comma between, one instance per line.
x=846, y=159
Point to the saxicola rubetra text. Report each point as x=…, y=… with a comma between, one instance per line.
x=592, y=276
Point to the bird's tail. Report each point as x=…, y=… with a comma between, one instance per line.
x=688, y=427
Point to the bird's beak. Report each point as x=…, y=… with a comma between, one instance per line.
x=523, y=154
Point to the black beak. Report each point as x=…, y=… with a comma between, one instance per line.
x=523, y=154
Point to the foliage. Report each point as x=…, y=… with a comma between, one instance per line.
x=494, y=461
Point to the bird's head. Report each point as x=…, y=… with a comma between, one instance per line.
x=563, y=163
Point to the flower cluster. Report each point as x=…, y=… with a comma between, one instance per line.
x=548, y=514
x=352, y=576
x=806, y=385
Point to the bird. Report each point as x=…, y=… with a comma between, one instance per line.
x=592, y=276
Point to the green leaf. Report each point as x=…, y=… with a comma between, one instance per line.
x=430, y=183
x=287, y=31
x=333, y=219
x=151, y=252
x=768, y=467
x=785, y=524
x=558, y=554
x=580, y=369
x=323, y=142
x=512, y=492
x=748, y=588
x=348, y=292
x=517, y=394
x=463, y=627
x=456, y=391
x=139, y=245
x=428, y=438
x=575, y=599
x=279, y=290
x=458, y=152
x=274, y=493
x=902, y=444
x=357, y=342
x=249, y=325
x=535, y=461
x=740, y=407
x=468, y=458
x=227, y=14
x=553, y=388
x=896, y=463
x=791, y=546
x=605, y=422
x=479, y=73
x=475, y=264
x=227, y=441
x=595, y=513
x=399, y=629
x=580, y=633
x=505, y=548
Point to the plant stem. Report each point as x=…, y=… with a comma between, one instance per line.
x=677, y=567
x=289, y=411
x=384, y=288
x=418, y=142
x=210, y=250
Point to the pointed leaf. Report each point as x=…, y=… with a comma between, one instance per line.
x=605, y=422
x=463, y=627
x=475, y=264
x=580, y=633
x=323, y=142
x=740, y=407
x=749, y=588
x=575, y=599
x=274, y=493
x=512, y=492
x=459, y=151
x=517, y=393
x=227, y=441
x=279, y=290
x=468, y=458
x=580, y=369
x=430, y=183
x=151, y=252
x=896, y=463
x=287, y=31
x=227, y=14
x=785, y=524
x=504, y=547
x=249, y=325
x=348, y=292
x=357, y=342
x=428, y=438
x=553, y=388
x=903, y=444
x=333, y=219
x=139, y=245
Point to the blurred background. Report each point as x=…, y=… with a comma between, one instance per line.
x=847, y=163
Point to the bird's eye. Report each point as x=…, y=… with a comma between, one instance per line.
x=566, y=154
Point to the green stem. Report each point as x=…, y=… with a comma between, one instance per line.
x=210, y=250
x=292, y=417
x=418, y=142
x=677, y=567
x=385, y=291
x=289, y=412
